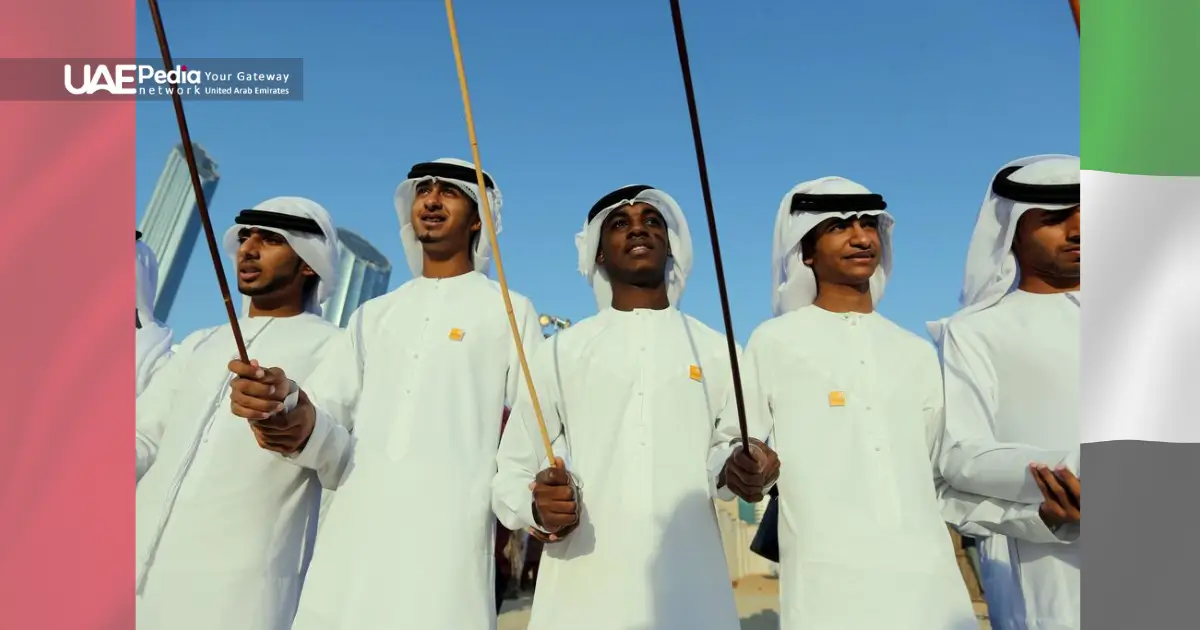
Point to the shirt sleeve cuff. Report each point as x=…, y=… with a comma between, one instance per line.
x=293, y=397
x=716, y=463
x=1039, y=532
x=309, y=457
x=527, y=516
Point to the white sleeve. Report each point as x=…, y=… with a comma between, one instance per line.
x=334, y=389
x=153, y=408
x=976, y=515
x=145, y=373
x=972, y=459
x=522, y=452
x=756, y=388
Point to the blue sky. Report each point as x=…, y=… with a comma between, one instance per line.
x=919, y=101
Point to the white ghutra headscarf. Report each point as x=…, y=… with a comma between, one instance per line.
x=309, y=231
x=991, y=270
x=804, y=207
x=460, y=174
x=587, y=241
x=153, y=339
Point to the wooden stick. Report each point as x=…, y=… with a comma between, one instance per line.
x=1075, y=12
x=201, y=204
x=491, y=230
x=681, y=44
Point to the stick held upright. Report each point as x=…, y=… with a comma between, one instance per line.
x=201, y=204
x=491, y=232
x=685, y=68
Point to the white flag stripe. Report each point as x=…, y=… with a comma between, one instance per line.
x=1141, y=321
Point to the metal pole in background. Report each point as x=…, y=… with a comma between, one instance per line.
x=554, y=323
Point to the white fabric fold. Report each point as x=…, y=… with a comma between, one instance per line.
x=406, y=192
x=794, y=284
x=587, y=243
x=153, y=339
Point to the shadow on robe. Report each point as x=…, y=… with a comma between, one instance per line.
x=689, y=577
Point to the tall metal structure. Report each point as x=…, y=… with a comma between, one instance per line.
x=364, y=275
x=171, y=223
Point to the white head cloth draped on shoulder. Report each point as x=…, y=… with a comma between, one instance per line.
x=462, y=175
x=308, y=229
x=804, y=207
x=587, y=241
x=1048, y=182
x=153, y=339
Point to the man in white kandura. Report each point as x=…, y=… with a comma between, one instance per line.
x=853, y=406
x=223, y=527
x=631, y=395
x=401, y=419
x=1011, y=365
x=154, y=338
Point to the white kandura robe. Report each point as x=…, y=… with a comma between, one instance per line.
x=1012, y=398
x=407, y=426
x=619, y=395
x=862, y=539
x=153, y=339
x=222, y=524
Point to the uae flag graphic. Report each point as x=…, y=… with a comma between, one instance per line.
x=1140, y=155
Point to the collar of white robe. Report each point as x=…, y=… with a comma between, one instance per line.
x=1047, y=182
x=804, y=207
x=461, y=174
x=587, y=241
x=309, y=230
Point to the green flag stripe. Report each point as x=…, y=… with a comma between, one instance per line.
x=1140, y=86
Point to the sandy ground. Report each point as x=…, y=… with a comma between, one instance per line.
x=757, y=601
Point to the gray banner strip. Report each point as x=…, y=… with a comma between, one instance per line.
x=1141, y=563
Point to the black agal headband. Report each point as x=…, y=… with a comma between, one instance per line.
x=442, y=170
x=279, y=221
x=615, y=197
x=803, y=202
x=1049, y=194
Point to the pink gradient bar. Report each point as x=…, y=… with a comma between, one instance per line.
x=67, y=280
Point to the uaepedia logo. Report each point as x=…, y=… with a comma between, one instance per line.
x=108, y=78
x=127, y=79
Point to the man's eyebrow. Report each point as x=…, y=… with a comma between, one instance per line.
x=621, y=212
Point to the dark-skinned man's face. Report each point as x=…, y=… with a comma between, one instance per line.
x=844, y=251
x=1046, y=243
x=634, y=247
x=267, y=264
x=443, y=216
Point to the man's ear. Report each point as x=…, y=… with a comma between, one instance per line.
x=306, y=271
x=599, y=257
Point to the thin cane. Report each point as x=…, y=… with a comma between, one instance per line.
x=201, y=205
x=681, y=44
x=1075, y=13
x=491, y=230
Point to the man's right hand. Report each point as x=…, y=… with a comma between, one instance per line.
x=555, y=503
x=257, y=395
x=748, y=473
x=258, y=392
x=1060, y=505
